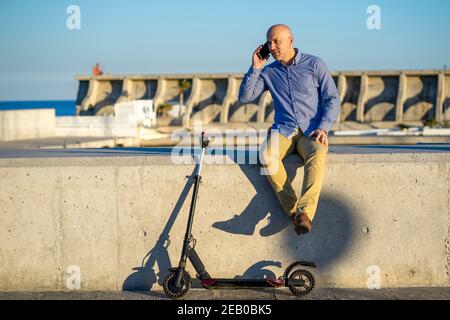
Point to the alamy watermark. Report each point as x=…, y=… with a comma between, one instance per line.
x=73, y=277
x=73, y=21
x=239, y=146
x=374, y=19
x=374, y=277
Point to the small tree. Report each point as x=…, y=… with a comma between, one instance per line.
x=183, y=85
x=163, y=109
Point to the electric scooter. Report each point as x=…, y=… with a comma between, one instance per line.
x=178, y=282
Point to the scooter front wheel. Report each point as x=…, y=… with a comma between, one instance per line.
x=174, y=292
x=307, y=282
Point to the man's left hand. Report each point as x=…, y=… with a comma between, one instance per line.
x=320, y=136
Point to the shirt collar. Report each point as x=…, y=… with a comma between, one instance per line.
x=298, y=56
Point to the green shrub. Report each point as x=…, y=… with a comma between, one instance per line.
x=446, y=124
x=432, y=123
x=163, y=109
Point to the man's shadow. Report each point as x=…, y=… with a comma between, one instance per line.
x=333, y=226
x=263, y=204
x=334, y=229
x=145, y=276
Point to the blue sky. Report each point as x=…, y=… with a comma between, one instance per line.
x=39, y=56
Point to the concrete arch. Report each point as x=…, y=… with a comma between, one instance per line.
x=83, y=89
x=264, y=103
x=138, y=89
x=420, y=100
x=242, y=112
x=167, y=92
x=381, y=98
x=103, y=93
x=446, y=98
x=211, y=96
x=350, y=98
x=160, y=92
x=230, y=98
x=342, y=88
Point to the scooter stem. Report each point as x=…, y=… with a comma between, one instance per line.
x=187, y=237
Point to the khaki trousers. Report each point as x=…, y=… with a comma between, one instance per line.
x=275, y=148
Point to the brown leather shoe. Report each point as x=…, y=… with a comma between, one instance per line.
x=302, y=223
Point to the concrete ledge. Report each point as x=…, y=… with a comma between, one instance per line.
x=113, y=217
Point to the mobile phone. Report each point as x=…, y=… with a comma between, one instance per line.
x=264, y=52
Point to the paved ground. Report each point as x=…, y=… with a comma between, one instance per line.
x=278, y=294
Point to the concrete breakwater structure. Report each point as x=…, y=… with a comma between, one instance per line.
x=378, y=107
x=393, y=97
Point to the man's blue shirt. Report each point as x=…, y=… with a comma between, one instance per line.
x=304, y=94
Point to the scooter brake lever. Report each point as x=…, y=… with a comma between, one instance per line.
x=167, y=243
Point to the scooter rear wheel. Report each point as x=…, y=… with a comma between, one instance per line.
x=308, y=282
x=173, y=291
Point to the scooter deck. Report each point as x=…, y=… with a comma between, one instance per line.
x=247, y=283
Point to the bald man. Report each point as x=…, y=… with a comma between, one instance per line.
x=306, y=104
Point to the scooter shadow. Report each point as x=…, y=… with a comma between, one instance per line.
x=256, y=271
x=145, y=276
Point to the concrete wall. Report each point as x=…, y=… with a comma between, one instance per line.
x=26, y=124
x=42, y=123
x=407, y=96
x=109, y=215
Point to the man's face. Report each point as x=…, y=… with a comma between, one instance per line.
x=280, y=43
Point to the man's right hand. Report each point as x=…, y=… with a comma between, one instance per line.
x=257, y=62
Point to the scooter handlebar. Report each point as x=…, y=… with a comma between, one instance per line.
x=204, y=140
